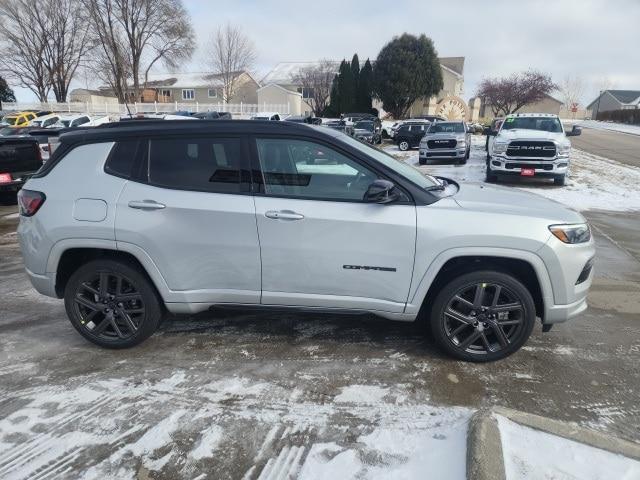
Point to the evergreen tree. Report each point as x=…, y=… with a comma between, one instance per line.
x=365, y=88
x=407, y=68
x=333, y=110
x=6, y=94
x=347, y=87
x=355, y=73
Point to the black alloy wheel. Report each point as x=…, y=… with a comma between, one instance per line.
x=112, y=304
x=483, y=316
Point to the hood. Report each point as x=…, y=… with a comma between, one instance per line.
x=519, y=133
x=510, y=201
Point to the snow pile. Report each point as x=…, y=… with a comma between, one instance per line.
x=594, y=182
x=530, y=454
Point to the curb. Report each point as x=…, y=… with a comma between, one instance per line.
x=485, y=459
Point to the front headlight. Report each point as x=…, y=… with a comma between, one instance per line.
x=461, y=143
x=500, y=147
x=564, y=149
x=571, y=233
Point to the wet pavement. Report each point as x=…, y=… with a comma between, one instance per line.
x=262, y=395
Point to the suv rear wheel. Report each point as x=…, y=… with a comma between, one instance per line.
x=112, y=304
x=482, y=316
x=403, y=145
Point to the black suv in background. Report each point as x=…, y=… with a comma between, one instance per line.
x=409, y=135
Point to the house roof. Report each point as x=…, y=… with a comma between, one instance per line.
x=625, y=97
x=279, y=87
x=185, y=80
x=283, y=72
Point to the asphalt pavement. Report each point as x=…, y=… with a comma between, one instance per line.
x=622, y=147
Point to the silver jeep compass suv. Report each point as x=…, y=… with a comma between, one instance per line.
x=132, y=219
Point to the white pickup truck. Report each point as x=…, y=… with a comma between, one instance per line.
x=530, y=145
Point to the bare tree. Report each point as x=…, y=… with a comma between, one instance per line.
x=316, y=82
x=67, y=24
x=23, y=45
x=509, y=94
x=134, y=35
x=230, y=53
x=572, y=90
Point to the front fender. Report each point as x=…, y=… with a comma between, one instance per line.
x=420, y=292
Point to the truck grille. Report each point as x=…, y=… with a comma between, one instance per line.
x=441, y=143
x=537, y=166
x=531, y=149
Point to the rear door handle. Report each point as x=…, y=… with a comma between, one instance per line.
x=146, y=205
x=283, y=215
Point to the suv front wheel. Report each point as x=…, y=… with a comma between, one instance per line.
x=482, y=316
x=112, y=304
x=403, y=145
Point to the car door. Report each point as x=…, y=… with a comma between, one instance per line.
x=191, y=211
x=321, y=244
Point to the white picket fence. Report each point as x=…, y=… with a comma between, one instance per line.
x=108, y=108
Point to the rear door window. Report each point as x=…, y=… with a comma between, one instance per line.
x=203, y=164
x=122, y=158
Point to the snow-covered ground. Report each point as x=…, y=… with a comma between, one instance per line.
x=62, y=430
x=530, y=454
x=594, y=183
x=616, y=127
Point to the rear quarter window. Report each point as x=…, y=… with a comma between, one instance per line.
x=122, y=158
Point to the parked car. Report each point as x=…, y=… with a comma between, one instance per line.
x=431, y=118
x=409, y=135
x=365, y=130
x=114, y=224
x=304, y=119
x=42, y=113
x=19, y=119
x=213, y=115
x=75, y=120
x=491, y=131
x=45, y=121
x=20, y=156
x=41, y=135
x=445, y=140
x=272, y=116
x=397, y=125
x=531, y=145
x=341, y=126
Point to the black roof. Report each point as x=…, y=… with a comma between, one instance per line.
x=625, y=96
x=114, y=130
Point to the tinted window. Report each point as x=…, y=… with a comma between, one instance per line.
x=204, y=164
x=447, y=127
x=309, y=170
x=122, y=158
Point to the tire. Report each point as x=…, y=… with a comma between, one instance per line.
x=129, y=321
x=403, y=145
x=422, y=161
x=490, y=177
x=466, y=157
x=560, y=180
x=474, y=321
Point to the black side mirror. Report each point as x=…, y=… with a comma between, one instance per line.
x=575, y=131
x=381, y=191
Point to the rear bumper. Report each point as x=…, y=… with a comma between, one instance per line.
x=11, y=186
x=43, y=283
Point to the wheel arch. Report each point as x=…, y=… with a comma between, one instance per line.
x=524, y=266
x=68, y=258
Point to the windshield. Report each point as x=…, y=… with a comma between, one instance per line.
x=365, y=126
x=544, y=124
x=407, y=171
x=446, y=127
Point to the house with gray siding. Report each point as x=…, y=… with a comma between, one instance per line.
x=609, y=100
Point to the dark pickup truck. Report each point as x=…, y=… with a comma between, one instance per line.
x=20, y=157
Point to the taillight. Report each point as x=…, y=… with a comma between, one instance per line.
x=30, y=202
x=5, y=178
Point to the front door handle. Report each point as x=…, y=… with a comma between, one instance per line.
x=283, y=215
x=146, y=205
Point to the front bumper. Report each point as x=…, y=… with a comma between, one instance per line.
x=442, y=153
x=543, y=167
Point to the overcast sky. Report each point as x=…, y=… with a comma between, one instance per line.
x=594, y=39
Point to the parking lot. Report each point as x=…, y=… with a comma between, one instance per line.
x=252, y=395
